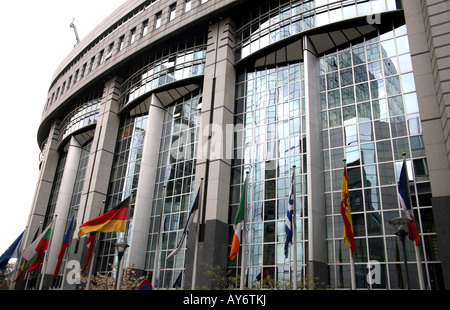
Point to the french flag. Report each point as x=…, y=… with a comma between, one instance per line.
x=405, y=202
x=288, y=226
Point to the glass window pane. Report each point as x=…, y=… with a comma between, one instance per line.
x=417, y=146
x=372, y=199
x=387, y=175
x=334, y=99
x=364, y=112
x=377, y=89
x=373, y=52
x=348, y=95
x=365, y=132
x=359, y=56
x=379, y=109
x=362, y=92
x=393, y=86
x=382, y=129
x=388, y=48
x=335, y=117
x=398, y=126
x=360, y=74
x=346, y=77
x=395, y=105
x=370, y=176
x=402, y=45
x=411, y=104
x=384, y=151
x=345, y=59
x=408, y=83
x=375, y=70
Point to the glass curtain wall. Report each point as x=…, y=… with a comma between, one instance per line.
x=370, y=116
x=124, y=178
x=176, y=170
x=269, y=140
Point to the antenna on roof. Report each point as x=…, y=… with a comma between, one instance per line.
x=72, y=25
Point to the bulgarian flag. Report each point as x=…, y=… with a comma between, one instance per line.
x=238, y=223
x=114, y=220
x=34, y=253
x=346, y=213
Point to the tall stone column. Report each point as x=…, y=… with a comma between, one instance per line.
x=428, y=24
x=213, y=164
x=317, y=262
x=62, y=208
x=144, y=195
x=49, y=162
x=100, y=162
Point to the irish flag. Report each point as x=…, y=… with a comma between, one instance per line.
x=238, y=223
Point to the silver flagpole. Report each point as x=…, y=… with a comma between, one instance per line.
x=197, y=235
x=44, y=267
x=124, y=244
x=294, y=231
x=94, y=254
x=155, y=262
x=66, y=254
x=244, y=228
x=416, y=248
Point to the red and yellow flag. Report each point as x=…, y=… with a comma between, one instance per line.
x=112, y=221
x=349, y=240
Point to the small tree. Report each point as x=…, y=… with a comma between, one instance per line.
x=107, y=282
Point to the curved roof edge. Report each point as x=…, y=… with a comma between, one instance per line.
x=106, y=23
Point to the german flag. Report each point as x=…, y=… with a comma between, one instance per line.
x=112, y=221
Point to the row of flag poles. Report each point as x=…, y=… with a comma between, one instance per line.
x=116, y=220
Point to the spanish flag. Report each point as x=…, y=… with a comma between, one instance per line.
x=347, y=214
x=112, y=221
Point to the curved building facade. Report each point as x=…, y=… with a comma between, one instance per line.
x=166, y=97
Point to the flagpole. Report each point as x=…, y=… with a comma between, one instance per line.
x=125, y=242
x=352, y=262
x=19, y=256
x=155, y=261
x=197, y=235
x=294, y=230
x=91, y=263
x=27, y=274
x=44, y=267
x=66, y=254
x=244, y=228
x=416, y=248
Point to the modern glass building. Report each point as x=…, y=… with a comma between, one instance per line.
x=166, y=97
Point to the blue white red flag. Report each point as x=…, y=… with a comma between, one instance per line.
x=288, y=228
x=405, y=202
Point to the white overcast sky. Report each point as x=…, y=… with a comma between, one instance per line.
x=35, y=37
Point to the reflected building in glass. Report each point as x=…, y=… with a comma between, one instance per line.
x=162, y=95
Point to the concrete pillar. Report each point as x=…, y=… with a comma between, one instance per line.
x=62, y=208
x=431, y=62
x=213, y=164
x=43, y=190
x=317, y=260
x=101, y=159
x=144, y=195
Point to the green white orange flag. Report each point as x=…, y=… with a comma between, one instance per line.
x=238, y=223
x=347, y=214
